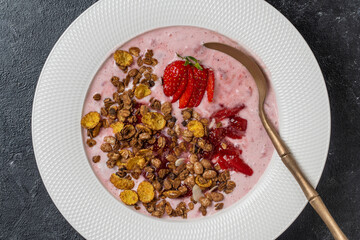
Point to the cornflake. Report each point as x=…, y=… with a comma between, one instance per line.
x=117, y=127
x=129, y=197
x=146, y=192
x=90, y=120
x=121, y=183
x=123, y=58
x=154, y=120
x=142, y=91
x=196, y=128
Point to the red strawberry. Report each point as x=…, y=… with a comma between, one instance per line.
x=226, y=113
x=210, y=86
x=174, y=77
x=182, y=86
x=185, y=97
x=236, y=128
x=200, y=78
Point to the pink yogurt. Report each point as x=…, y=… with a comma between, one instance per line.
x=234, y=85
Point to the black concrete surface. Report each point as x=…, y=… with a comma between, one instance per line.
x=29, y=30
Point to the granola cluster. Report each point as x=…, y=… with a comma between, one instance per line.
x=149, y=141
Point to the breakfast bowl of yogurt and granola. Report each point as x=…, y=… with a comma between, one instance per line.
x=172, y=128
x=141, y=132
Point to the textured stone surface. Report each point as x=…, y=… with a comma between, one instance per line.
x=29, y=29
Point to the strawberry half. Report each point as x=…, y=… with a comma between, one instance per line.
x=185, y=97
x=174, y=78
x=200, y=79
x=210, y=86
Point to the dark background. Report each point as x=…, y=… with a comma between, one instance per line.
x=29, y=30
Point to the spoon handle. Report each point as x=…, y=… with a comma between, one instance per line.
x=310, y=193
x=313, y=197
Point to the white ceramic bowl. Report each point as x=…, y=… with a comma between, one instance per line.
x=303, y=114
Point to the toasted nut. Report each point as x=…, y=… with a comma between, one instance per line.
x=91, y=142
x=193, y=158
x=167, y=184
x=154, y=77
x=123, y=58
x=142, y=91
x=166, y=108
x=90, y=120
x=128, y=131
x=110, y=139
x=204, y=201
x=144, y=136
x=196, y=115
x=146, y=192
x=156, y=162
x=168, y=208
x=190, y=181
x=206, y=163
x=172, y=194
x=209, y=174
x=198, y=168
x=144, y=110
x=186, y=114
x=135, y=51
x=230, y=185
x=171, y=158
x=190, y=167
x=217, y=197
x=187, y=135
x=121, y=183
x=96, y=159
x=154, y=120
x=106, y=147
x=97, y=97
x=202, y=209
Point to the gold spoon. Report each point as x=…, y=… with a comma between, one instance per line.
x=280, y=146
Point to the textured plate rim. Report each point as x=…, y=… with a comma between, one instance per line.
x=315, y=181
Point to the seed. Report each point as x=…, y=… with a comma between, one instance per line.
x=196, y=190
x=179, y=161
x=209, y=174
x=172, y=193
x=206, y=164
x=198, y=168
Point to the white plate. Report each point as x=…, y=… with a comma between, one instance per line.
x=303, y=113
